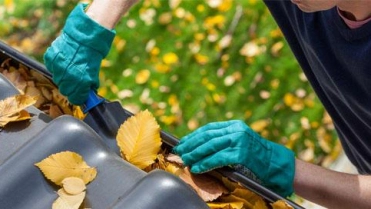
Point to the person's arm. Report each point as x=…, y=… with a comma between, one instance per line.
x=332, y=189
x=108, y=12
x=74, y=57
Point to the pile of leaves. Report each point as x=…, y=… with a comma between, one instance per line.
x=70, y=171
x=32, y=83
x=13, y=108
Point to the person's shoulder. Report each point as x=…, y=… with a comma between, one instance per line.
x=281, y=7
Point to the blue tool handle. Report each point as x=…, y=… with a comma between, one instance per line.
x=92, y=101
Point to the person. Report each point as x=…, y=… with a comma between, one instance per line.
x=331, y=41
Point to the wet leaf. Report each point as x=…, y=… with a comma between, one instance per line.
x=139, y=139
x=59, y=166
x=12, y=108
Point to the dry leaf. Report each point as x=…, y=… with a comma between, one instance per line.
x=220, y=205
x=61, y=101
x=55, y=111
x=205, y=185
x=12, y=108
x=233, y=198
x=16, y=78
x=33, y=82
x=248, y=195
x=260, y=204
x=168, y=166
x=139, y=139
x=281, y=204
x=67, y=201
x=73, y=185
x=66, y=164
x=175, y=159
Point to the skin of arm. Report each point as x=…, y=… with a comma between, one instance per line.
x=332, y=189
x=108, y=12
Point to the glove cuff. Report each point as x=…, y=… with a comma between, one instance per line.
x=87, y=32
x=281, y=170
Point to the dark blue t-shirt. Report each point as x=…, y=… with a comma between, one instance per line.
x=337, y=63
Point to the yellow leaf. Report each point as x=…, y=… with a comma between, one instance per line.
x=170, y=58
x=248, y=195
x=139, y=139
x=12, y=108
x=219, y=205
x=260, y=204
x=201, y=59
x=259, y=125
x=281, y=204
x=233, y=198
x=73, y=185
x=59, y=166
x=67, y=201
x=142, y=76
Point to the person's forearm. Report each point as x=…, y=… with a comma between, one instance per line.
x=108, y=12
x=332, y=189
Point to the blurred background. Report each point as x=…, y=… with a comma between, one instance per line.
x=192, y=62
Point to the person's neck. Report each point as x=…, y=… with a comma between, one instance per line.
x=356, y=10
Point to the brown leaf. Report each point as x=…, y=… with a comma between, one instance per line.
x=55, y=111
x=61, y=101
x=175, y=159
x=16, y=78
x=206, y=186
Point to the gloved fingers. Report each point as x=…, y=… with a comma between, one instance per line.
x=232, y=129
x=202, y=136
x=220, y=159
x=207, y=127
x=197, y=140
x=207, y=149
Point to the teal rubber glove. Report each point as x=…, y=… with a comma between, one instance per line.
x=75, y=56
x=233, y=143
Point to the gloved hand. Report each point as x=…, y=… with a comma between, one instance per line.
x=75, y=56
x=234, y=143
